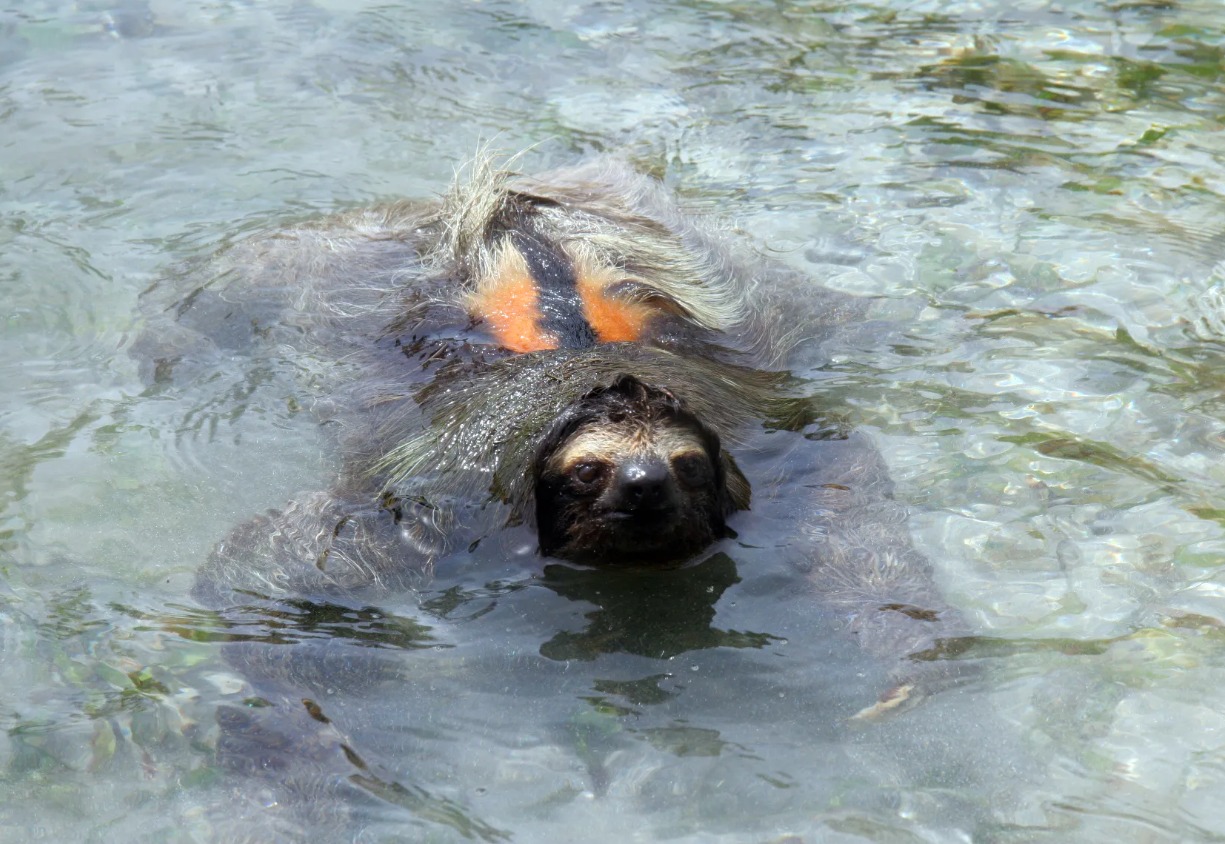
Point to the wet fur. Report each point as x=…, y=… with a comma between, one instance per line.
x=631, y=424
x=442, y=438
x=438, y=430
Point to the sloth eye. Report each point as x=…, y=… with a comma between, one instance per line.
x=692, y=469
x=587, y=474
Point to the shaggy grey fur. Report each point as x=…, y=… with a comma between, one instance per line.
x=436, y=431
x=449, y=427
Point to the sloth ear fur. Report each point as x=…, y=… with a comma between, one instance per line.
x=737, y=491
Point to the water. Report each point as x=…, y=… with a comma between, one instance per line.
x=1044, y=180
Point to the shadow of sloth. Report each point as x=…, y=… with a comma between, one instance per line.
x=566, y=364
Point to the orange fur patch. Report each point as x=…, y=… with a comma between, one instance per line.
x=509, y=304
x=613, y=320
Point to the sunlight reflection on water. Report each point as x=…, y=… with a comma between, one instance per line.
x=1042, y=182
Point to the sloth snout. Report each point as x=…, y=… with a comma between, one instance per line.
x=642, y=485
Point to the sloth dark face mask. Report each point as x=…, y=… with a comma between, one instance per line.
x=629, y=476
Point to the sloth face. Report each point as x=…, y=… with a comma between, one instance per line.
x=629, y=476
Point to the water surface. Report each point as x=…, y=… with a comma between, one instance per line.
x=1038, y=186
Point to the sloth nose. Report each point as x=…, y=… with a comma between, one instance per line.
x=642, y=485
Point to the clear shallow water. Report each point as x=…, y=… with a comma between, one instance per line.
x=1046, y=180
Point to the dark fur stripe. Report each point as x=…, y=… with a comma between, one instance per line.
x=561, y=307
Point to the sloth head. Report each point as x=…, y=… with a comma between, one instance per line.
x=628, y=475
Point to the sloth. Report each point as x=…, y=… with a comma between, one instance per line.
x=568, y=354
x=568, y=359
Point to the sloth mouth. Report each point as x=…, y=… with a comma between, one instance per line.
x=638, y=537
x=646, y=531
x=652, y=517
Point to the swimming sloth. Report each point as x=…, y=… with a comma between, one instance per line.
x=568, y=354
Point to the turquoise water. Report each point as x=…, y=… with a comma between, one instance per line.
x=1044, y=180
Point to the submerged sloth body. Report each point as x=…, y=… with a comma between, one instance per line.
x=570, y=355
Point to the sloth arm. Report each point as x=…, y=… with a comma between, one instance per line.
x=326, y=298
x=854, y=541
x=323, y=289
x=328, y=545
